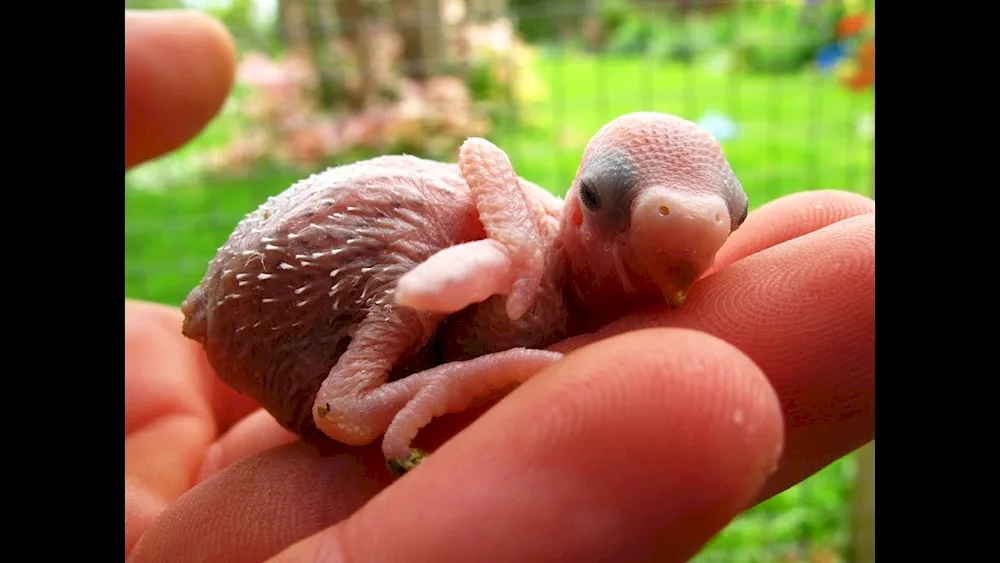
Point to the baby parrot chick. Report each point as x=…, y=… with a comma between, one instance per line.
x=368, y=299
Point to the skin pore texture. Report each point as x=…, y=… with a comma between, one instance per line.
x=371, y=298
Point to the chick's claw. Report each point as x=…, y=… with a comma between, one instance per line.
x=453, y=387
x=399, y=467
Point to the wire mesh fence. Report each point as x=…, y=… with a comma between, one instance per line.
x=786, y=85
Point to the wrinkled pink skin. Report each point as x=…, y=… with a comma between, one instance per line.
x=368, y=299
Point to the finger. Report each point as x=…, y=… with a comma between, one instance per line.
x=641, y=446
x=168, y=374
x=680, y=439
x=165, y=454
x=164, y=374
x=259, y=505
x=142, y=507
x=252, y=435
x=229, y=407
x=788, y=217
x=179, y=67
x=170, y=411
x=168, y=423
x=804, y=311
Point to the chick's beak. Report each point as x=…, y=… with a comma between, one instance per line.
x=674, y=236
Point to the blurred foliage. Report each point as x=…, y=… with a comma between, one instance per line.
x=538, y=21
x=283, y=122
x=808, y=522
x=502, y=72
x=238, y=17
x=785, y=37
x=764, y=36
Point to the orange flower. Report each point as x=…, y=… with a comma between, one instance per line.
x=866, y=54
x=851, y=25
x=860, y=80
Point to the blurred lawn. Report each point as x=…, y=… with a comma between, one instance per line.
x=796, y=132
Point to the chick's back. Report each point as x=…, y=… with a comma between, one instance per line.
x=283, y=296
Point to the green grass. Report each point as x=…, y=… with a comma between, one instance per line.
x=796, y=132
x=807, y=518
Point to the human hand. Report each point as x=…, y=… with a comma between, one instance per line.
x=643, y=444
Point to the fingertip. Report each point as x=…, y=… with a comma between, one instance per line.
x=694, y=397
x=179, y=68
x=789, y=217
x=804, y=310
x=164, y=315
x=647, y=442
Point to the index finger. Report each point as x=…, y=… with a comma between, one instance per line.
x=796, y=293
x=174, y=409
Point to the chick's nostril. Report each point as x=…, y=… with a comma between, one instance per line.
x=664, y=210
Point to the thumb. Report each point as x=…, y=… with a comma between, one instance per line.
x=641, y=446
x=179, y=67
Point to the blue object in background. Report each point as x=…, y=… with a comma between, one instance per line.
x=720, y=126
x=829, y=56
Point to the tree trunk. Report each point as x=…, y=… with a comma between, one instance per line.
x=353, y=21
x=292, y=25
x=302, y=29
x=421, y=26
x=319, y=51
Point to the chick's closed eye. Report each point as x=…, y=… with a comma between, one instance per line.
x=606, y=188
x=588, y=196
x=743, y=216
